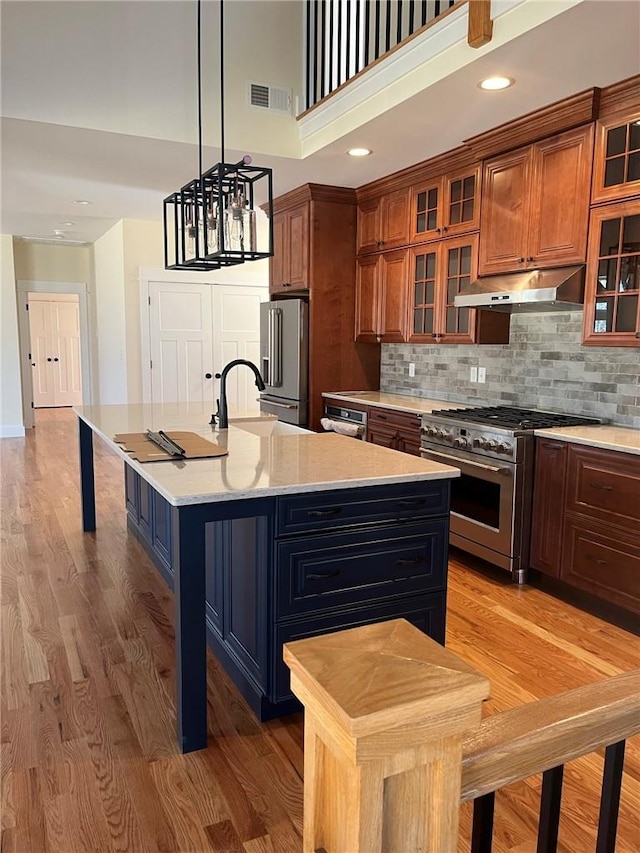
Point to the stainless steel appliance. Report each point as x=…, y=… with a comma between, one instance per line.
x=348, y=416
x=491, y=501
x=284, y=359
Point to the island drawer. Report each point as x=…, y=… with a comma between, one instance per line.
x=352, y=568
x=604, y=485
x=331, y=510
x=426, y=612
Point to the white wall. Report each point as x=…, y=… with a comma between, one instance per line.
x=110, y=305
x=10, y=397
x=51, y=262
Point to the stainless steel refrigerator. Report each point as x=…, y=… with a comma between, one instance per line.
x=284, y=359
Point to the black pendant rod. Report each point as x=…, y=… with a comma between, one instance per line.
x=199, y=93
x=221, y=81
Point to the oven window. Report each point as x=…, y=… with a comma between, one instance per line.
x=476, y=499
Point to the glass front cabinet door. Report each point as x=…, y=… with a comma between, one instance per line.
x=612, y=296
x=616, y=173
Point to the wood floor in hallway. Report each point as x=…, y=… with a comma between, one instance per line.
x=89, y=755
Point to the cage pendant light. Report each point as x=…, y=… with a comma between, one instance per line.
x=210, y=223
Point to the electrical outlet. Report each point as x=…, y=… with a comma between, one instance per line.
x=474, y=374
x=482, y=374
x=412, y=369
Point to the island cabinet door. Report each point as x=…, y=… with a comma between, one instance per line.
x=145, y=509
x=132, y=492
x=161, y=539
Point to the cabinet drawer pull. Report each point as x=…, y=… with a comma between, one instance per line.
x=412, y=502
x=596, y=560
x=413, y=561
x=381, y=417
x=324, y=513
x=319, y=576
x=602, y=488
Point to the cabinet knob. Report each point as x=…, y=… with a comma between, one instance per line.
x=520, y=260
x=208, y=376
x=530, y=259
x=286, y=284
x=438, y=230
x=445, y=229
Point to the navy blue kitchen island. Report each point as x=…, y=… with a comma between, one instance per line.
x=289, y=536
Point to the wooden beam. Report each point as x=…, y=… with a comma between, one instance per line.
x=480, y=23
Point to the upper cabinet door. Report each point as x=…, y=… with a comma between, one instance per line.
x=504, y=217
x=367, y=299
x=612, y=293
x=426, y=211
x=461, y=203
x=299, y=247
x=424, y=285
x=616, y=172
x=368, y=239
x=394, y=219
x=393, y=296
x=278, y=263
x=459, y=269
x=560, y=189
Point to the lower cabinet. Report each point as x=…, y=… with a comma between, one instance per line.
x=586, y=519
x=279, y=569
x=394, y=429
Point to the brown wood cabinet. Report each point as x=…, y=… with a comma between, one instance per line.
x=289, y=266
x=336, y=362
x=446, y=206
x=381, y=288
x=616, y=162
x=586, y=519
x=612, y=291
x=437, y=274
x=535, y=205
x=383, y=222
x=394, y=429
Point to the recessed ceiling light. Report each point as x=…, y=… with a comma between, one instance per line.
x=80, y=201
x=59, y=233
x=359, y=152
x=67, y=223
x=494, y=84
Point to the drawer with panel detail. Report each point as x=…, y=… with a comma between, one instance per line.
x=604, y=485
x=321, y=511
x=353, y=568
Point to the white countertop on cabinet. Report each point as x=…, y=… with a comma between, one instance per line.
x=623, y=439
x=256, y=466
x=400, y=402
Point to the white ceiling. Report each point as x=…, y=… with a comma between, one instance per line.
x=122, y=141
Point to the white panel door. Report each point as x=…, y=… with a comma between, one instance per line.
x=41, y=354
x=236, y=334
x=180, y=331
x=67, y=375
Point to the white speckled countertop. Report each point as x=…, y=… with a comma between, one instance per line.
x=624, y=439
x=413, y=405
x=256, y=466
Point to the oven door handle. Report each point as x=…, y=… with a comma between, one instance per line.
x=492, y=468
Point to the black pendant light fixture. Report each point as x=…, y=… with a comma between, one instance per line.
x=210, y=223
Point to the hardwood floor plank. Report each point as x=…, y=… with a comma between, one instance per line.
x=91, y=762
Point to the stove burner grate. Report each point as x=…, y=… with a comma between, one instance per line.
x=508, y=417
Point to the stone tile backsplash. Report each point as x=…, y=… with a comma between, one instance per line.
x=543, y=367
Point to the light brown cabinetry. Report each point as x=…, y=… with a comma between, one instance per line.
x=381, y=288
x=446, y=206
x=289, y=266
x=438, y=272
x=616, y=163
x=535, y=205
x=383, y=222
x=397, y=430
x=591, y=537
x=325, y=267
x=612, y=291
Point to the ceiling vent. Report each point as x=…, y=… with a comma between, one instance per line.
x=273, y=98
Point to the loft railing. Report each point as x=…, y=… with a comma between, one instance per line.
x=344, y=37
x=394, y=743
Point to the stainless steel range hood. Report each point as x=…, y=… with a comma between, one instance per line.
x=560, y=289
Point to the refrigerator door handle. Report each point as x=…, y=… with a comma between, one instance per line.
x=273, y=403
x=275, y=347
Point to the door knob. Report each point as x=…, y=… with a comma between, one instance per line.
x=208, y=376
x=56, y=359
x=49, y=359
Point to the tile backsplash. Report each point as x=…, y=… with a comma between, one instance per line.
x=543, y=366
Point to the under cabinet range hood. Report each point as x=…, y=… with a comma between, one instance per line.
x=560, y=289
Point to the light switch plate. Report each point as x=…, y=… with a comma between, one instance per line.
x=412, y=369
x=474, y=374
x=482, y=374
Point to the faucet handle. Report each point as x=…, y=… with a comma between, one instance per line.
x=216, y=416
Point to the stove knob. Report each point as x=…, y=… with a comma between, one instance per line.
x=479, y=442
x=491, y=445
x=504, y=448
x=460, y=442
x=444, y=434
x=431, y=432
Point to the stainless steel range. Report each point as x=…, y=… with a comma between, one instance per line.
x=491, y=501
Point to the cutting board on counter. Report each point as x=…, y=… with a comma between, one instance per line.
x=144, y=450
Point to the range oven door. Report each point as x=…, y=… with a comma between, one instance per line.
x=483, y=515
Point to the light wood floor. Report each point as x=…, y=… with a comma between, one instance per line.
x=89, y=760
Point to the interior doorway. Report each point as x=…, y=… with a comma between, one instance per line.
x=49, y=291
x=54, y=331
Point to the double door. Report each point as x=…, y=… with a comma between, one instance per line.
x=54, y=326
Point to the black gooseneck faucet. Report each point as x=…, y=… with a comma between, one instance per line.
x=222, y=414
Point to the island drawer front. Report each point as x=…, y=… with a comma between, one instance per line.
x=427, y=613
x=351, y=568
x=604, y=485
x=331, y=510
x=602, y=561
